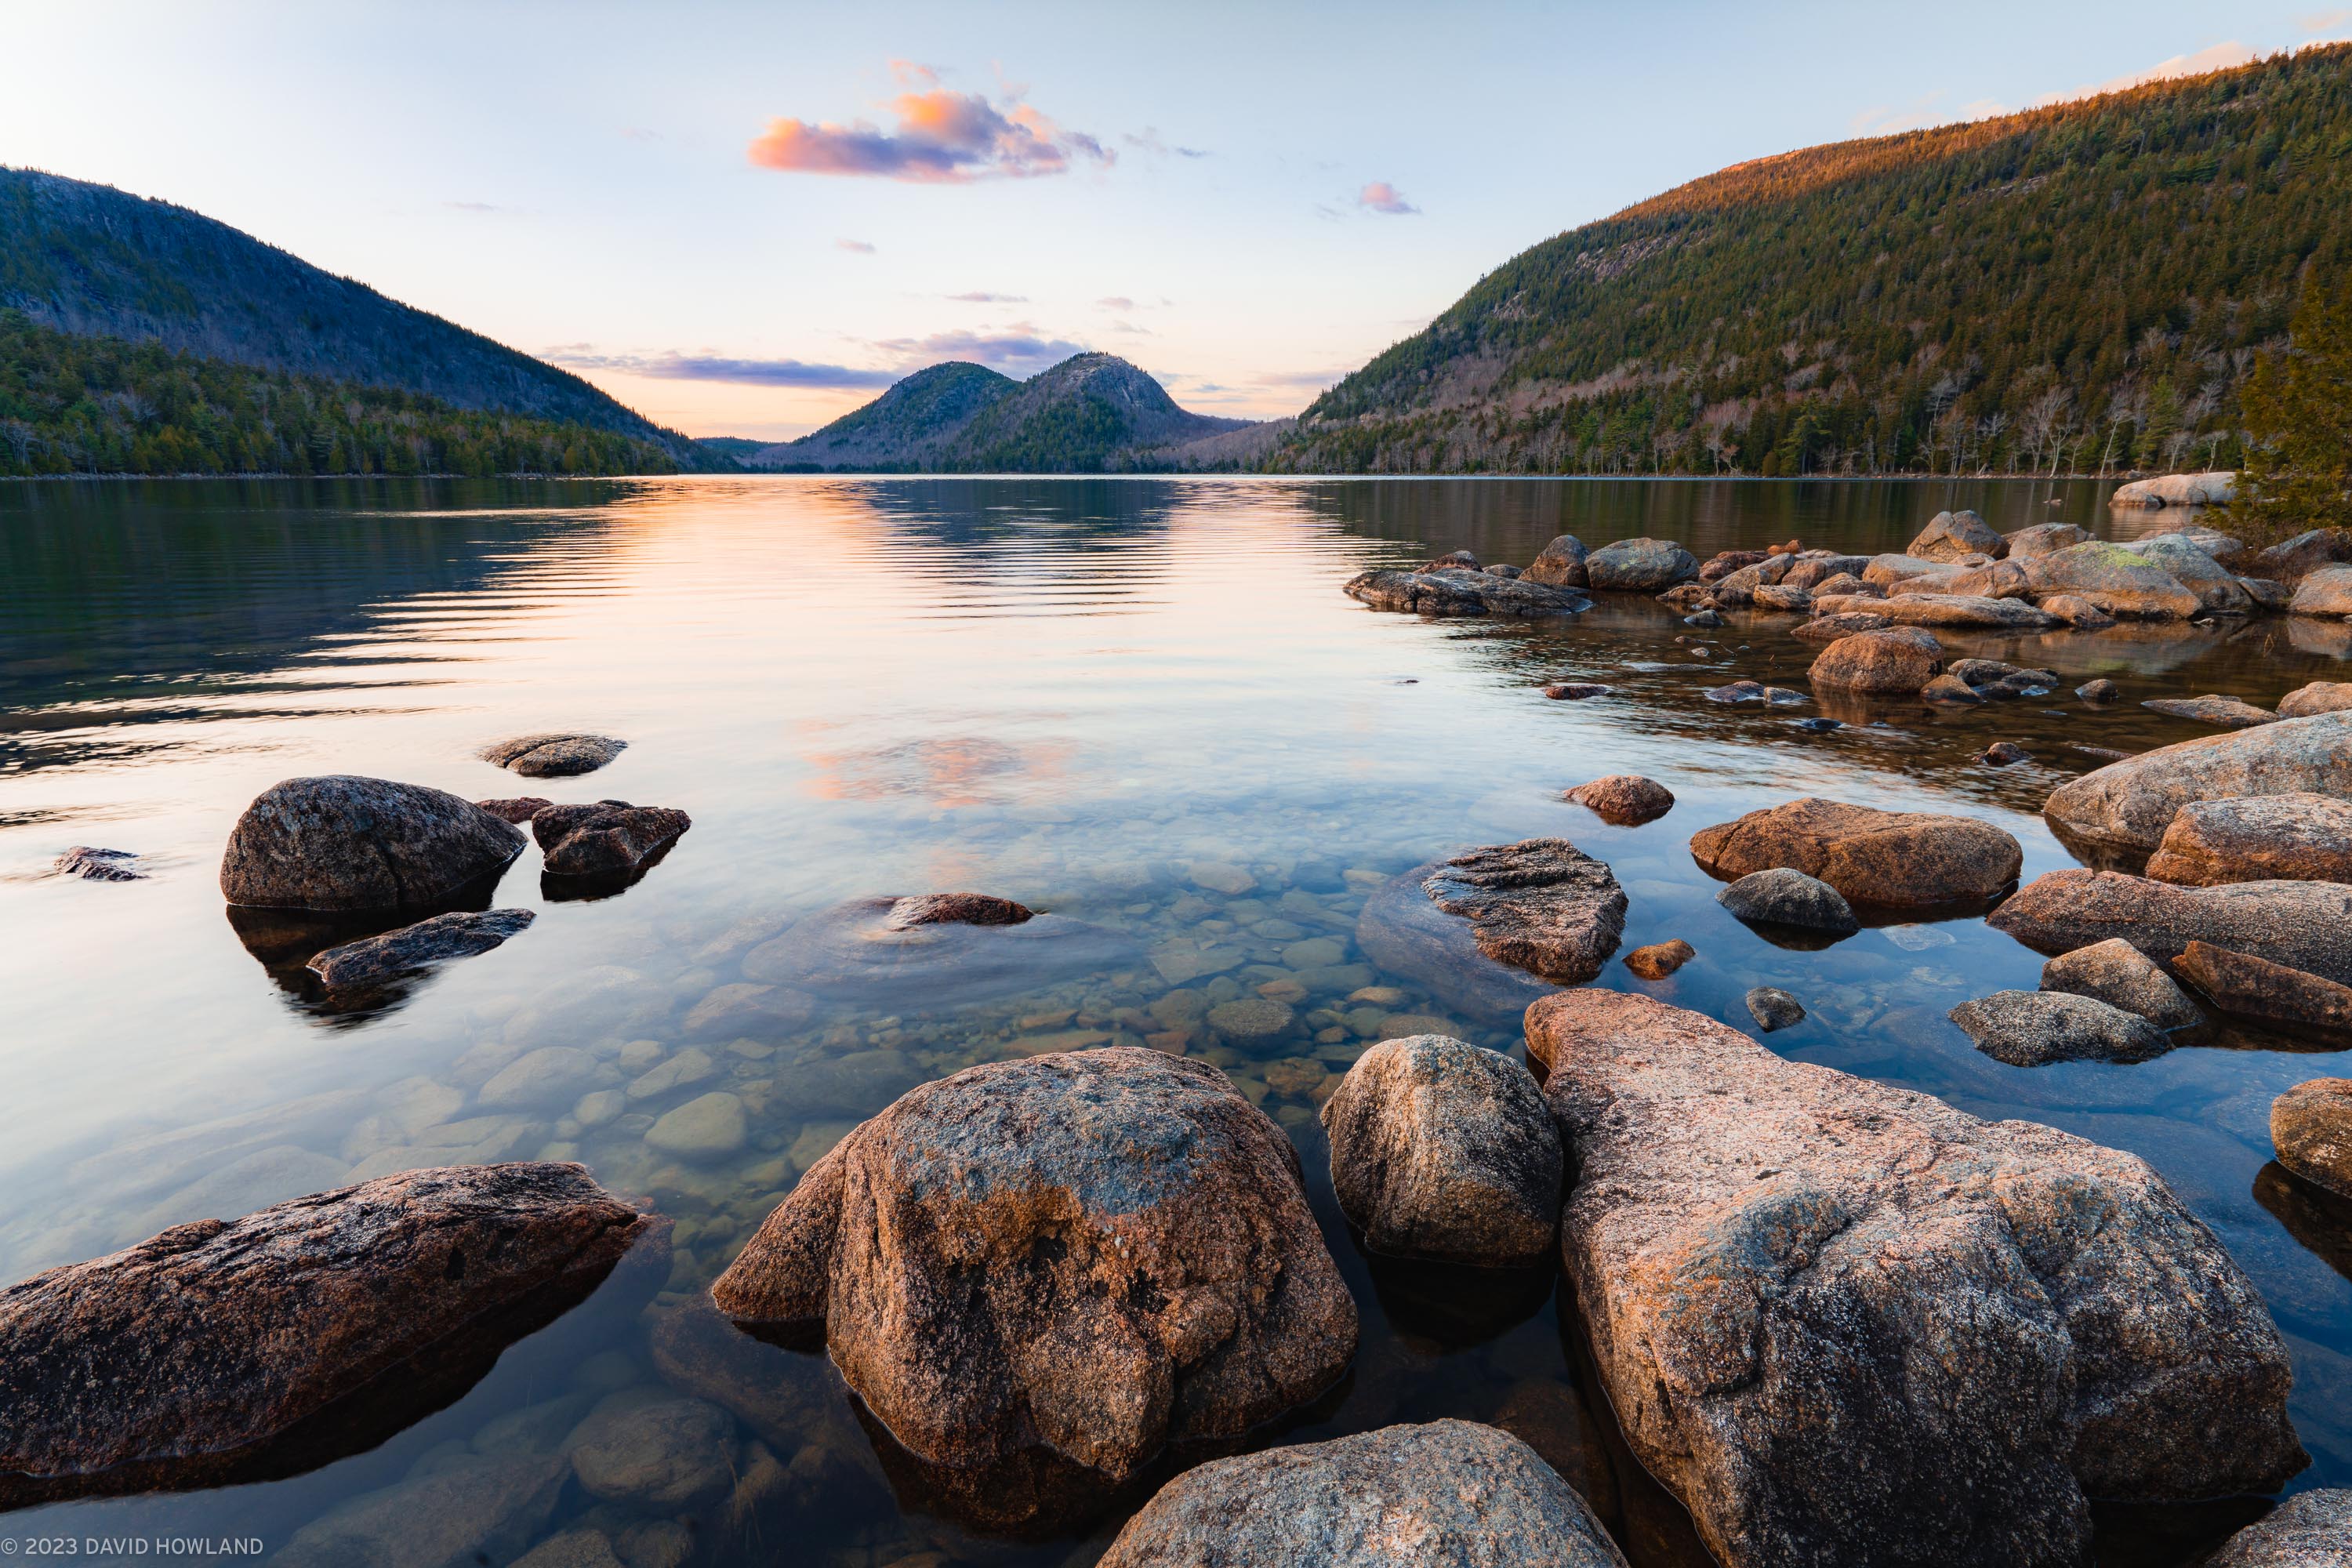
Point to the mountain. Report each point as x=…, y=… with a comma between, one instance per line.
x=734, y=448
x=2077, y=288
x=1090, y=413
x=92, y=261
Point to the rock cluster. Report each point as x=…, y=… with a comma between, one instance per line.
x=2298, y=924
x=1464, y=591
x=2130, y=803
x=2293, y=838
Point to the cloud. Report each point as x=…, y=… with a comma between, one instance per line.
x=943, y=137
x=2212, y=58
x=2324, y=21
x=639, y=133
x=914, y=74
x=1115, y=302
x=981, y=296
x=1130, y=329
x=1150, y=143
x=1379, y=196
x=1019, y=350
x=859, y=246
x=672, y=365
x=473, y=206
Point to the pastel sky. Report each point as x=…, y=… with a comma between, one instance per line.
x=746, y=219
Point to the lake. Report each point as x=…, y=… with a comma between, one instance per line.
x=1141, y=703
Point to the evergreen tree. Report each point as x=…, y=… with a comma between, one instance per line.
x=2298, y=472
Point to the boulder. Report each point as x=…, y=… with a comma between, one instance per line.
x=1811, y=571
x=1541, y=905
x=340, y=843
x=2311, y=1128
x=2041, y=539
x=2318, y=697
x=1949, y=689
x=369, y=1300
x=1444, y=1151
x=2034, y=1028
x=2073, y=610
x=1885, y=570
x=1738, y=588
x=1463, y=593
x=1626, y=800
x=1895, y=662
x=2229, y=712
x=1998, y=580
x=2299, y=557
x=1845, y=1322
x=2325, y=592
x=1951, y=535
x=873, y=948
x=378, y=961
x=1092, y=1252
x=2131, y=804
x=93, y=865
x=2267, y=992
x=1660, y=959
x=1452, y=560
x=1958, y=611
x=518, y=810
x=2309, y=1529
x=2100, y=689
x=2112, y=579
x=1560, y=564
x=1450, y=1492
x=1785, y=898
x=1408, y=936
x=1724, y=563
x=2296, y=838
x=553, y=756
x=2004, y=754
x=1639, y=566
x=1889, y=859
x=1826, y=629
x=2213, y=488
x=2219, y=593
x=610, y=839
x=1778, y=598
x=2121, y=975
x=1773, y=1008
x=2298, y=924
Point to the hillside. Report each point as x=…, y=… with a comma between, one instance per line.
x=91, y=260
x=1091, y=413
x=2078, y=288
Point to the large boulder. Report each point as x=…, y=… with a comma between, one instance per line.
x=610, y=839
x=1888, y=859
x=2298, y=924
x=1560, y=564
x=2041, y=539
x=341, y=843
x=1450, y=1493
x=2295, y=837
x=2213, y=489
x=2309, y=1529
x=2325, y=592
x=1443, y=1149
x=1845, y=1322
x=1895, y=662
x=2121, y=975
x=1463, y=592
x=1953, y=535
x=2112, y=579
x=2130, y=803
x=1639, y=566
x=2267, y=992
x=1409, y=937
x=2299, y=557
x=2317, y=697
x=1541, y=905
x=2219, y=593
x=924, y=949
x=1095, y=1253
x=2034, y=1028
x=1923, y=606
x=2311, y=1128
x=553, y=756
x=209, y=1352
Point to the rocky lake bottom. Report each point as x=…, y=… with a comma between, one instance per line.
x=1142, y=707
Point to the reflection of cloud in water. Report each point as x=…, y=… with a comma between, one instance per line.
x=948, y=773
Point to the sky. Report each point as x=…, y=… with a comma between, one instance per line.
x=746, y=219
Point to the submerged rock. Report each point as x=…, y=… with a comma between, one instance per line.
x=2099, y=690
x=1462, y=593
x=1444, y=1151
x=1886, y=859
x=1639, y=566
x=2121, y=975
x=1949, y=689
x=1450, y=1492
x=875, y=949
x=1096, y=1251
x=2298, y=924
x=1542, y=905
x=1625, y=800
x=2130, y=803
x=2229, y=712
x=1574, y=690
x=553, y=756
x=246, y=1330
x=2034, y=1028
x=1773, y=1008
x=1979, y=1323
x=484, y=1509
x=378, y=961
x=2311, y=1128
x=1895, y=662
x=1660, y=959
x=1789, y=898
x=610, y=839
x=1408, y=936
x=99, y=865
x=1954, y=535
x=2309, y=1529
x=341, y=843
x=2298, y=838
x=1560, y=564
x=659, y=1452
x=2269, y=992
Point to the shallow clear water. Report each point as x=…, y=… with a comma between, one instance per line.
x=1140, y=703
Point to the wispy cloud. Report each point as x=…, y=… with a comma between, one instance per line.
x=1149, y=141
x=2319, y=22
x=943, y=137
x=1115, y=302
x=1019, y=350
x=981, y=297
x=857, y=246
x=639, y=133
x=914, y=74
x=473, y=206
x=675, y=366
x=1379, y=196
x=2212, y=58
x=1131, y=329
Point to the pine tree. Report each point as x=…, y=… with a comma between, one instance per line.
x=2298, y=404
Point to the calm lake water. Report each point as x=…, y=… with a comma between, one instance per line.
x=1140, y=703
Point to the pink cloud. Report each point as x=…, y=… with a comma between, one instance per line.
x=943, y=137
x=1379, y=196
x=855, y=246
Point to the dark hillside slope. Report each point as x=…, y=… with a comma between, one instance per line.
x=905, y=429
x=94, y=261
x=2073, y=288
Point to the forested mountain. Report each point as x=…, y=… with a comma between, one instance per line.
x=2078, y=288
x=1090, y=413
x=92, y=261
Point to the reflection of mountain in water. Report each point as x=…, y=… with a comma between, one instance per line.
x=136, y=604
x=1106, y=536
